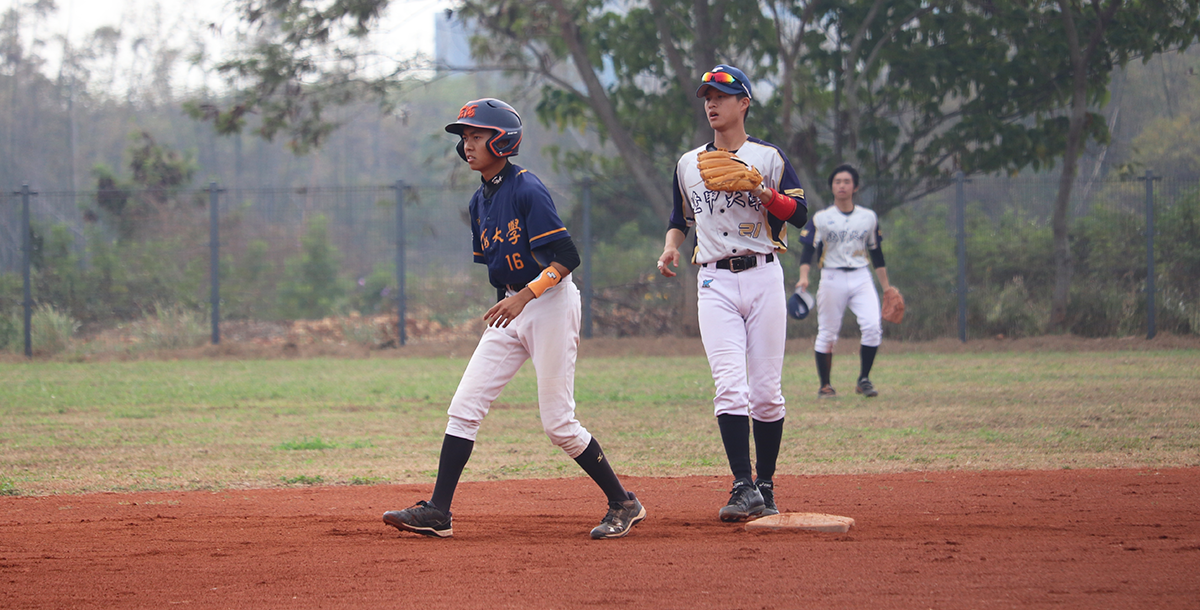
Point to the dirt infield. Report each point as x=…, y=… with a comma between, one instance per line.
x=1029, y=539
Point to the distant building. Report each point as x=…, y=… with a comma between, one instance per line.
x=452, y=42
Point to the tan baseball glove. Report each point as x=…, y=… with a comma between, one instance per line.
x=893, y=305
x=724, y=171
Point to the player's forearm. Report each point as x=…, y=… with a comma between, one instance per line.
x=881, y=273
x=673, y=240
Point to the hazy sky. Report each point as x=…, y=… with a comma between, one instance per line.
x=405, y=30
x=407, y=27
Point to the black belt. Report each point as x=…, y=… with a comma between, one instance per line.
x=847, y=268
x=738, y=264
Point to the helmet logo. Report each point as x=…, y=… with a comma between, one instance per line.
x=467, y=111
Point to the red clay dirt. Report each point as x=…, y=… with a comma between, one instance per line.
x=1028, y=539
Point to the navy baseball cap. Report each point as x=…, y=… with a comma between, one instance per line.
x=726, y=79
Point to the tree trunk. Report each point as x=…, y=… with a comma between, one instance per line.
x=1080, y=57
x=639, y=164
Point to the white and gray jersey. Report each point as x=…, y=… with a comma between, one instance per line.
x=841, y=240
x=733, y=224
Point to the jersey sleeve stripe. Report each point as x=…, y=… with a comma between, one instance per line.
x=537, y=237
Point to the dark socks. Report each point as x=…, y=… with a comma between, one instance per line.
x=767, y=438
x=867, y=353
x=824, y=364
x=594, y=463
x=455, y=453
x=735, y=434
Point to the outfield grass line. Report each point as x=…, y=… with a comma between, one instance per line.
x=213, y=424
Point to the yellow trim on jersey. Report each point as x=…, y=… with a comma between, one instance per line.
x=537, y=237
x=522, y=172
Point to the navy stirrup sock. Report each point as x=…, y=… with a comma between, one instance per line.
x=455, y=453
x=735, y=435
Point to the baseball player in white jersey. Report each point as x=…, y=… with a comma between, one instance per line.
x=845, y=238
x=517, y=233
x=741, y=298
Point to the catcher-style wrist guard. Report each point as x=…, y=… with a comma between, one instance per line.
x=724, y=171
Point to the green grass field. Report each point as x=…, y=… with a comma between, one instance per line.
x=209, y=424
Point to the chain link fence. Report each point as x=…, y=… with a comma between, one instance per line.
x=271, y=257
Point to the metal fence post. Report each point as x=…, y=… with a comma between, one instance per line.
x=1150, y=323
x=960, y=212
x=214, y=245
x=26, y=263
x=401, y=243
x=587, y=259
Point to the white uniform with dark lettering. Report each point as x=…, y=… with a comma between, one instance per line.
x=842, y=241
x=742, y=314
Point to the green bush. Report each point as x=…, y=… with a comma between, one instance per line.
x=1014, y=313
x=172, y=327
x=12, y=333
x=1178, y=253
x=248, y=282
x=311, y=288
x=920, y=257
x=376, y=292
x=51, y=330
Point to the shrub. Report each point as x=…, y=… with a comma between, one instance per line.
x=51, y=330
x=172, y=327
x=311, y=288
x=1014, y=313
x=11, y=332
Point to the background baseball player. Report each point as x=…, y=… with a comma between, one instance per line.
x=742, y=304
x=517, y=233
x=842, y=237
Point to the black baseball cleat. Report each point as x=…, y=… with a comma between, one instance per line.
x=621, y=518
x=745, y=502
x=866, y=388
x=827, y=391
x=767, y=489
x=422, y=518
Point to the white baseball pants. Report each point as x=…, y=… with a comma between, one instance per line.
x=547, y=332
x=743, y=324
x=839, y=289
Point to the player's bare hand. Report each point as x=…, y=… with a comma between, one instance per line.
x=504, y=312
x=803, y=283
x=670, y=257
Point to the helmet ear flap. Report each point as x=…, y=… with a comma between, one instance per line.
x=462, y=153
x=498, y=145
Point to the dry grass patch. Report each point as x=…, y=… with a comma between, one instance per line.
x=209, y=424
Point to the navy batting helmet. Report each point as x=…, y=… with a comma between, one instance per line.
x=799, y=304
x=490, y=113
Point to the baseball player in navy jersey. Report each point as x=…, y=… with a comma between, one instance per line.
x=517, y=233
x=845, y=238
x=741, y=298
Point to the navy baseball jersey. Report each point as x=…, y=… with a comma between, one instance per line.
x=511, y=215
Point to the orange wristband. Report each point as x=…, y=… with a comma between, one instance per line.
x=545, y=280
